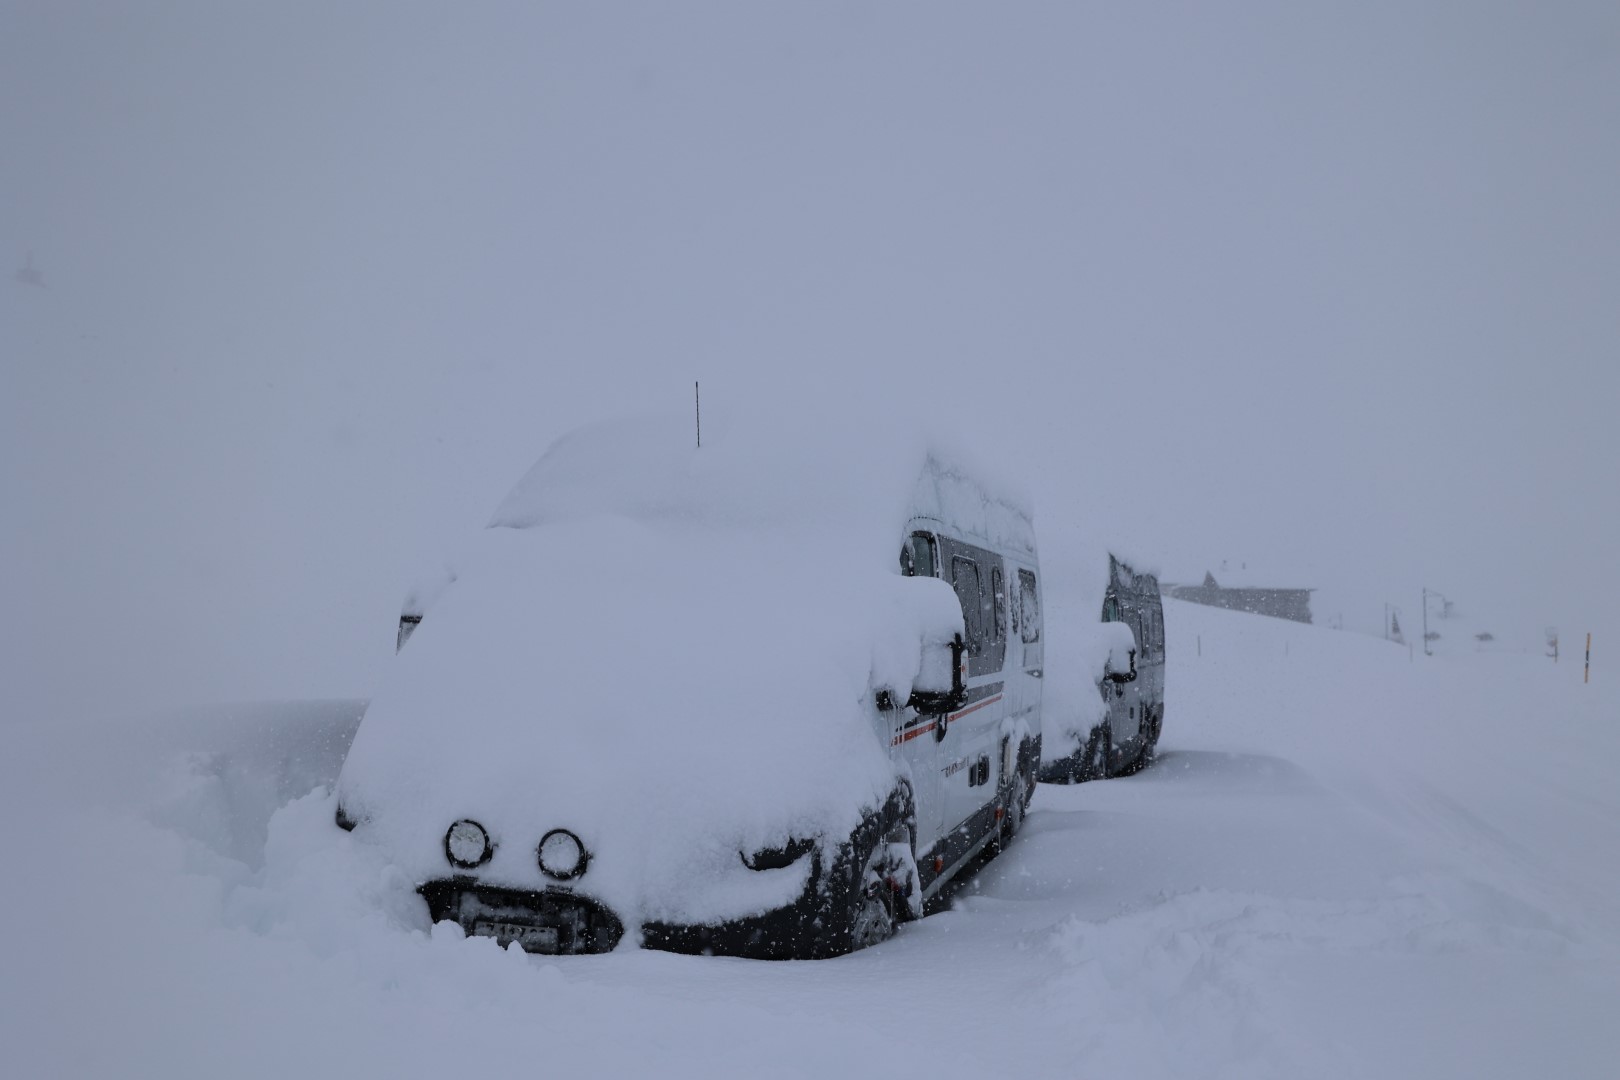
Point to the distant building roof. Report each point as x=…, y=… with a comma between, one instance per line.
x=1278, y=603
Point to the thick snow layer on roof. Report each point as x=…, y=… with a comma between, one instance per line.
x=861, y=472
x=672, y=652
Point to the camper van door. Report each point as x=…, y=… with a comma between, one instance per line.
x=968, y=764
x=914, y=743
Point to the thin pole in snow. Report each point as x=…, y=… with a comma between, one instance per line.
x=1587, y=677
x=1426, y=650
x=697, y=411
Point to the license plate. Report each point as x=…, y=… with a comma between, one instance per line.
x=531, y=938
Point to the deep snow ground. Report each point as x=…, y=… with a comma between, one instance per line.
x=1347, y=863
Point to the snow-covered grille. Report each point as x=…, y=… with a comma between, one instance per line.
x=550, y=921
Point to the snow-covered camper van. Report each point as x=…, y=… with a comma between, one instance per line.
x=1105, y=707
x=761, y=698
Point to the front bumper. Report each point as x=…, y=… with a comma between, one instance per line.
x=561, y=923
x=816, y=924
x=551, y=921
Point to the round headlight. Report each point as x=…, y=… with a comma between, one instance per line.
x=467, y=845
x=562, y=855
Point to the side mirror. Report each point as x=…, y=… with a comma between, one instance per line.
x=941, y=683
x=1120, y=666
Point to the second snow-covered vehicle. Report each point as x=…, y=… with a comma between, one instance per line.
x=746, y=699
x=1105, y=710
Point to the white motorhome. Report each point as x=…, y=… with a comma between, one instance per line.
x=762, y=697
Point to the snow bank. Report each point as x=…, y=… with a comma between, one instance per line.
x=673, y=653
x=214, y=775
x=1362, y=864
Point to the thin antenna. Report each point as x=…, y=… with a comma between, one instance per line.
x=697, y=409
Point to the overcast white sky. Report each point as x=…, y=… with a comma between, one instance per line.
x=1330, y=289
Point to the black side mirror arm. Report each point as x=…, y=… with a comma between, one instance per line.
x=1125, y=676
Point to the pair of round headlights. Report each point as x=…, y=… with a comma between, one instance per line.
x=562, y=854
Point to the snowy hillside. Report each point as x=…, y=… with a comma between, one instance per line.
x=1346, y=863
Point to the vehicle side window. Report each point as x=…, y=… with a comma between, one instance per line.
x=918, y=556
x=965, y=580
x=1029, y=604
x=1110, y=609
x=998, y=590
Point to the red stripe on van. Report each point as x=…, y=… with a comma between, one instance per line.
x=913, y=733
x=976, y=708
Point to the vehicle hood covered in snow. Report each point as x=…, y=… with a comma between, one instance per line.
x=674, y=655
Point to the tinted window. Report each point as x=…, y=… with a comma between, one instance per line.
x=998, y=590
x=917, y=558
x=1029, y=604
x=1111, y=609
x=965, y=579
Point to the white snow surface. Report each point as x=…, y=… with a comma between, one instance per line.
x=673, y=653
x=1347, y=863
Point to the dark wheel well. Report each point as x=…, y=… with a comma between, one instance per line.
x=843, y=885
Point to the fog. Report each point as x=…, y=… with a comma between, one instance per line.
x=1327, y=290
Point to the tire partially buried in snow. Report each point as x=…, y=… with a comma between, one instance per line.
x=743, y=700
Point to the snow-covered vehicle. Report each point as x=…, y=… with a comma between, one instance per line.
x=1105, y=705
x=690, y=698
